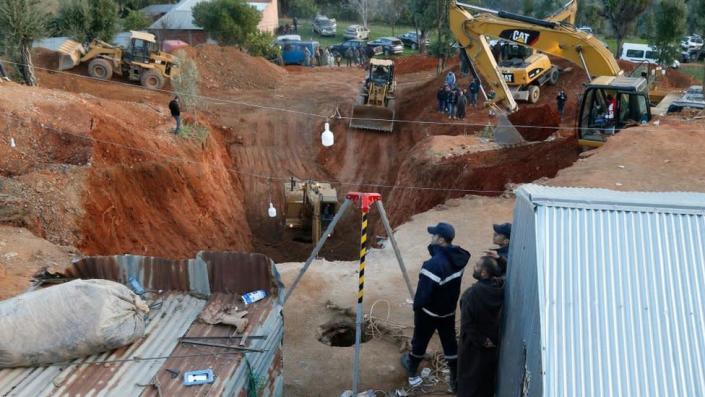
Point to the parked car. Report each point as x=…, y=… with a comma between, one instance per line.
x=356, y=32
x=390, y=45
x=343, y=47
x=293, y=51
x=692, y=56
x=325, y=26
x=639, y=53
x=410, y=39
x=690, y=43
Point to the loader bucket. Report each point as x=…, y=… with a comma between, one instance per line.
x=70, y=53
x=377, y=118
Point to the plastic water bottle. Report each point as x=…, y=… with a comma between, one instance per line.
x=254, y=296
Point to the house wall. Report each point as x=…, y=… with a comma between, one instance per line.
x=270, y=18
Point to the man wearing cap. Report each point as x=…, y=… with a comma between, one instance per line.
x=502, y=233
x=435, y=302
x=480, y=312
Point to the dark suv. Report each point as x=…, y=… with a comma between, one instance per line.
x=343, y=47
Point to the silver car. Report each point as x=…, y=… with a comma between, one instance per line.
x=356, y=32
x=390, y=45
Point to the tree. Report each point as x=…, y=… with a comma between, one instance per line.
x=391, y=11
x=85, y=20
x=362, y=7
x=424, y=15
x=301, y=8
x=669, y=20
x=227, y=21
x=261, y=44
x=22, y=22
x=185, y=83
x=136, y=20
x=621, y=15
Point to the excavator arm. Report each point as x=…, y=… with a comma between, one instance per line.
x=550, y=37
x=566, y=14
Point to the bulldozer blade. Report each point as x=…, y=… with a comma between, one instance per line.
x=375, y=118
x=70, y=53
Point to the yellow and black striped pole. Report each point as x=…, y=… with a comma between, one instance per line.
x=360, y=296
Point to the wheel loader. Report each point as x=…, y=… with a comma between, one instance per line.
x=310, y=207
x=374, y=107
x=141, y=61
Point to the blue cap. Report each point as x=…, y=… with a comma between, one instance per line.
x=504, y=229
x=444, y=230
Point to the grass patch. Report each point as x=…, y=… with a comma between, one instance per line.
x=195, y=132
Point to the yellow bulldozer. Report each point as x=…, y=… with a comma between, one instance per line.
x=310, y=207
x=374, y=107
x=141, y=61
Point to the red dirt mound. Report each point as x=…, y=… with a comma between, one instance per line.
x=129, y=186
x=527, y=121
x=415, y=63
x=672, y=79
x=230, y=68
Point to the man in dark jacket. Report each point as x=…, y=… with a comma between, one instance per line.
x=560, y=102
x=473, y=90
x=502, y=233
x=453, y=103
x=462, y=103
x=480, y=312
x=175, y=113
x=435, y=302
x=441, y=97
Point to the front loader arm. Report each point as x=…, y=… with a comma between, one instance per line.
x=475, y=46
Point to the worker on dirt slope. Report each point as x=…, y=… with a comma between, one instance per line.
x=502, y=234
x=435, y=302
x=176, y=113
x=453, y=103
x=480, y=313
x=560, y=101
x=441, y=97
x=462, y=104
x=473, y=90
x=450, y=79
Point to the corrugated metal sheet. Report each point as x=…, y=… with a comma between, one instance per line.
x=620, y=280
x=181, y=16
x=242, y=272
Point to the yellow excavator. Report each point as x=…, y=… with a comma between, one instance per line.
x=610, y=100
x=526, y=70
x=374, y=107
x=141, y=61
x=310, y=207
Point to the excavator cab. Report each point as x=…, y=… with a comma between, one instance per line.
x=610, y=104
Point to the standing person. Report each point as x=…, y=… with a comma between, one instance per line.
x=318, y=56
x=435, y=302
x=560, y=101
x=307, y=56
x=175, y=109
x=462, y=103
x=441, y=98
x=446, y=99
x=473, y=90
x=480, y=313
x=611, y=110
x=338, y=59
x=453, y=103
x=349, y=56
x=3, y=75
x=450, y=79
x=326, y=57
x=296, y=25
x=502, y=234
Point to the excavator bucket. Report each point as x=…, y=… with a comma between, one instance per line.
x=370, y=117
x=70, y=54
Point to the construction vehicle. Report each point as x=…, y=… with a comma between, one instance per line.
x=607, y=92
x=140, y=61
x=526, y=70
x=310, y=207
x=374, y=107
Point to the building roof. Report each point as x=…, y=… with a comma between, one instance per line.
x=612, y=287
x=211, y=280
x=157, y=9
x=180, y=17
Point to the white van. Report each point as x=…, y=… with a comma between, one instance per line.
x=638, y=53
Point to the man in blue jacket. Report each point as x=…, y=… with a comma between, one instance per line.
x=435, y=302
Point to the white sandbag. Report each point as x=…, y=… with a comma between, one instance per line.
x=67, y=321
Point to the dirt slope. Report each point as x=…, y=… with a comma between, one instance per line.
x=76, y=188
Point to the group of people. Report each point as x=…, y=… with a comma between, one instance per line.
x=473, y=357
x=453, y=100
x=324, y=57
x=289, y=29
x=319, y=57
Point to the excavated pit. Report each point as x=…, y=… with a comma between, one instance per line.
x=341, y=333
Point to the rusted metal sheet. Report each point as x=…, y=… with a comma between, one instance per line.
x=228, y=275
